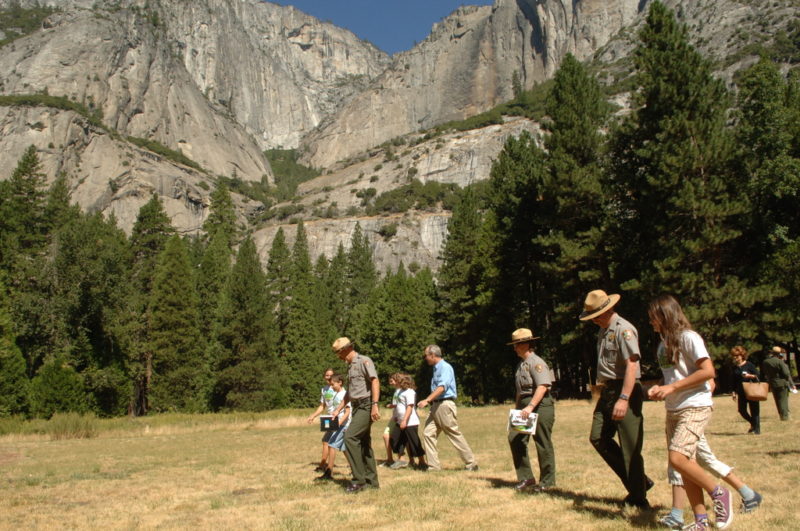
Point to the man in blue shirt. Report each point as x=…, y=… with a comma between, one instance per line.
x=443, y=415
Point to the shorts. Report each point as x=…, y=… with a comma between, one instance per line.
x=392, y=424
x=336, y=440
x=685, y=427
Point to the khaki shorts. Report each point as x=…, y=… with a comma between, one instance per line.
x=685, y=427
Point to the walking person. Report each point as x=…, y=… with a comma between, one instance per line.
x=532, y=382
x=745, y=371
x=619, y=408
x=326, y=396
x=336, y=436
x=363, y=393
x=387, y=432
x=776, y=373
x=444, y=415
x=686, y=368
x=405, y=433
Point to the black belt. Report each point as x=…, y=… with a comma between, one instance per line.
x=442, y=399
x=360, y=401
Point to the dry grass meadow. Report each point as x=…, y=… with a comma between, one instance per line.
x=256, y=472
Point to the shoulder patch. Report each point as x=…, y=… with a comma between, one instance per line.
x=538, y=367
x=627, y=334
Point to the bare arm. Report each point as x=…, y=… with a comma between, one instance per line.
x=311, y=418
x=699, y=377
x=621, y=406
x=436, y=393
x=376, y=395
x=537, y=397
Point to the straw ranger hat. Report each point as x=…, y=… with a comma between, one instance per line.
x=341, y=344
x=596, y=303
x=521, y=335
x=777, y=350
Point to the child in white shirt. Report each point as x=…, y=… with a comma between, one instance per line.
x=407, y=429
x=687, y=369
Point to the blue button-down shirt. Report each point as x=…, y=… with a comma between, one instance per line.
x=443, y=376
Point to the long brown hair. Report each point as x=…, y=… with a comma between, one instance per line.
x=665, y=311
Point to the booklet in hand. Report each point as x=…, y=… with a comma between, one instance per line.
x=521, y=425
x=328, y=422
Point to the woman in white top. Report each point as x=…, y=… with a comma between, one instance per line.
x=687, y=369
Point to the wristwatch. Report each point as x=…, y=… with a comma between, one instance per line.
x=623, y=396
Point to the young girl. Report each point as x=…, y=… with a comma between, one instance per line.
x=687, y=368
x=336, y=437
x=387, y=433
x=326, y=395
x=406, y=432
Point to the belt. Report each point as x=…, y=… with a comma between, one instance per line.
x=443, y=399
x=525, y=396
x=360, y=401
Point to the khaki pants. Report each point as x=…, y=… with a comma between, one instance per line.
x=443, y=418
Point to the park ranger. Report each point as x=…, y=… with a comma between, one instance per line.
x=363, y=392
x=619, y=408
x=533, y=381
x=776, y=372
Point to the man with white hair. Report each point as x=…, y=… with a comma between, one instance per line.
x=444, y=415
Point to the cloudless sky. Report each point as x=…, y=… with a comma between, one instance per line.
x=391, y=25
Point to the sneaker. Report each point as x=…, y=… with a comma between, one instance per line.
x=472, y=468
x=697, y=525
x=723, y=510
x=748, y=506
x=399, y=464
x=387, y=464
x=326, y=476
x=670, y=521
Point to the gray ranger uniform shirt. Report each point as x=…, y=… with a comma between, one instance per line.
x=531, y=373
x=615, y=345
x=359, y=374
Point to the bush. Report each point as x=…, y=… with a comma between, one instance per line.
x=56, y=389
x=388, y=230
x=72, y=426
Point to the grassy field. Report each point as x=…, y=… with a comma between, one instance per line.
x=256, y=472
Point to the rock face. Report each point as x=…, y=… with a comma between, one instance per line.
x=466, y=66
x=221, y=80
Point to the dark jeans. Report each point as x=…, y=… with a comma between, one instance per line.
x=754, y=417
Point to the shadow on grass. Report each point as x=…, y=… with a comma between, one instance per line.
x=588, y=504
x=783, y=452
x=727, y=433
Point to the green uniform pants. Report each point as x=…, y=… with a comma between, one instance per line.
x=358, y=442
x=625, y=458
x=544, y=444
x=780, y=392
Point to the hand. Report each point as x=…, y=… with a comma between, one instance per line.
x=660, y=392
x=403, y=425
x=422, y=403
x=525, y=413
x=376, y=414
x=620, y=410
x=310, y=419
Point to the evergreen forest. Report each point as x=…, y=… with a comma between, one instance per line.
x=694, y=192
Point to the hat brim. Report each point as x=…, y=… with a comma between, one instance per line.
x=338, y=350
x=613, y=299
x=523, y=340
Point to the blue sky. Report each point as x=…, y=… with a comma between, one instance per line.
x=391, y=25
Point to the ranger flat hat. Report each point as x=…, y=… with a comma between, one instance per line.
x=521, y=335
x=596, y=303
x=341, y=344
x=778, y=350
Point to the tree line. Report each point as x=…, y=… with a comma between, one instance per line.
x=693, y=192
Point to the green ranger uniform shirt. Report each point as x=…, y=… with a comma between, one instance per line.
x=776, y=372
x=359, y=374
x=531, y=373
x=615, y=345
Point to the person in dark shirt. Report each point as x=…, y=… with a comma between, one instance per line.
x=745, y=371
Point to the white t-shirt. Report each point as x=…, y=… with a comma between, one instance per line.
x=407, y=399
x=326, y=395
x=691, y=350
x=335, y=401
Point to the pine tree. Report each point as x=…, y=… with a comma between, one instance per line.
x=576, y=258
x=304, y=345
x=361, y=273
x=461, y=296
x=22, y=228
x=679, y=197
x=181, y=374
x=213, y=272
x=279, y=282
x=149, y=235
x=223, y=216
x=14, y=383
x=58, y=388
x=250, y=376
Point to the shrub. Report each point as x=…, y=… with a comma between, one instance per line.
x=388, y=230
x=72, y=426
